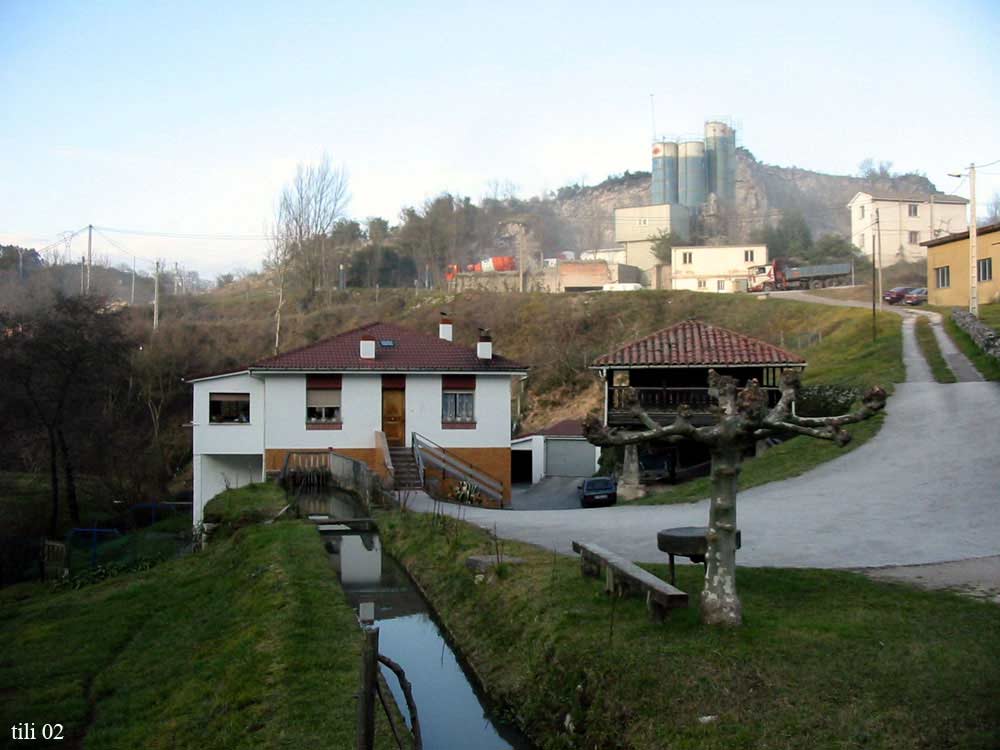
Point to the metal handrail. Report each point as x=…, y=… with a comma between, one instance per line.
x=447, y=461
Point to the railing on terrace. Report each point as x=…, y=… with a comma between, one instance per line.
x=655, y=400
x=428, y=453
x=314, y=468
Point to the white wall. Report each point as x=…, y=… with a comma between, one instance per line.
x=229, y=438
x=213, y=472
x=536, y=445
x=896, y=224
x=361, y=412
x=726, y=263
x=492, y=412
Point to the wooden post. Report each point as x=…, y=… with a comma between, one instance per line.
x=366, y=695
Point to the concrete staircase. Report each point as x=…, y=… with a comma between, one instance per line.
x=407, y=475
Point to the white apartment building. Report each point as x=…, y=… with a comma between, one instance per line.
x=636, y=228
x=904, y=221
x=720, y=269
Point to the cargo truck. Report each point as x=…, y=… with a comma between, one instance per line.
x=777, y=275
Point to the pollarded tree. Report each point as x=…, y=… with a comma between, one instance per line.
x=742, y=418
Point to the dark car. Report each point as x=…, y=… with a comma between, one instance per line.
x=597, y=491
x=916, y=296
x=896, y=294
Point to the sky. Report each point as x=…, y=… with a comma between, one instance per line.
x=187, y=118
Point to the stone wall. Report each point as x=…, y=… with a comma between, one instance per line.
x=985, y=337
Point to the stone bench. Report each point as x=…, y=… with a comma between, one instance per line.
x=622, y=577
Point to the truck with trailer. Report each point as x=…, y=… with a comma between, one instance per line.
x=778, y=275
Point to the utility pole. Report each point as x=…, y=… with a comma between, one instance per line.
x=20, y=264
x=878, y=233
x=83, y=276
x=131, y=300
x=177, y=277
x=156, y=297
x=973, y=249
x=874, y=293
x=90, y=241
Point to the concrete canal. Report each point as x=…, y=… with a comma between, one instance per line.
x=452, y=711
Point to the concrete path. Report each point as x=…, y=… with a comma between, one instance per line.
x=926, y=489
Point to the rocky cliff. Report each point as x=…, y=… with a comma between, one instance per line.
x=764, y=192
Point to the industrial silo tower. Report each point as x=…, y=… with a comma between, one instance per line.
x=720, y=150
x=664, y=185
x=691, y=174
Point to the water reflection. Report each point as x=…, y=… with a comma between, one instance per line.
x=452, y=713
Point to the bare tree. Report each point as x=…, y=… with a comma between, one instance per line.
x=742, y=419
x=307, y=210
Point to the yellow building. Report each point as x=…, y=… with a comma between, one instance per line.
x=637, y=227
x=948, y=267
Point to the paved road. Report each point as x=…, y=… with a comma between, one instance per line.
x=552, y=493
x=926, y=489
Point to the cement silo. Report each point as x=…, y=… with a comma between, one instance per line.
x=664, y=185
x=692, y=189
x=720, y=150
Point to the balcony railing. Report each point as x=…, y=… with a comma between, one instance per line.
x=669, y=400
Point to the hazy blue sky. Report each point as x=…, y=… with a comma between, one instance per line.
x=188, y=117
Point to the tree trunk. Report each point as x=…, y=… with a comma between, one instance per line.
x=719, y=603
x=54, y=481
x=71, y=501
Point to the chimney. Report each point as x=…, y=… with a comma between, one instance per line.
x=484, y=349
x=367, y=347
x=445, y=327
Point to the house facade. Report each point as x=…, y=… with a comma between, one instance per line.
x=948, y=274
x=719, y=269
x=636, y=228
x=349, y=394
x=669, y=369
x=904, y=222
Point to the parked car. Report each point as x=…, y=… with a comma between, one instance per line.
x=917, y=296
x=597, y=491
x=896, y=294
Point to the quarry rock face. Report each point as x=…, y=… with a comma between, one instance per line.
x=763, y=193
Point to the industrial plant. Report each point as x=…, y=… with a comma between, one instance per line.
x=686, y=172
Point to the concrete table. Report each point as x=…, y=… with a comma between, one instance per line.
x=686, y=541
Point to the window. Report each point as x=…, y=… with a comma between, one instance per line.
x=943, y=275
x=643, y=222
x=458, y=400
x=985, y=269
x=912, y=209
x=748, y=256
x=229, y=408
x=701, y=283
x=861, y=212
x=620, y=378
x=720, y=285
x=914, y=238
x=323, y=401
x=687, y=257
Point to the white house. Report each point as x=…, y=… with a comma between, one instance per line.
x=904, y=221
x=718, y=268
x=344, y=394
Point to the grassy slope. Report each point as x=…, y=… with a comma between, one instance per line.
x=988, y=366
x=990, y=315
x=249, y=644
x=846, y=356
x=932, y=352
x=825, y=659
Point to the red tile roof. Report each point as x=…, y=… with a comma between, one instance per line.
x=692, y=343
x=565, y=428
x=410, y=351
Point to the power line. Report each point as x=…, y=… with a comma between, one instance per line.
x=190, y=235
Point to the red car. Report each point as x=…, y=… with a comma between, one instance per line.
x=917, y=296
x=896, y=294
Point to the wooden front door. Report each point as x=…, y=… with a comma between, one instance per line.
x=394, y=416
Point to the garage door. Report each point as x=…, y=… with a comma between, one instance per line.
x=568, y=458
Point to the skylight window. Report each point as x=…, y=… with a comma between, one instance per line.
x=387, y=343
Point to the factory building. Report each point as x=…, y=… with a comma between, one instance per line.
x=686, y=173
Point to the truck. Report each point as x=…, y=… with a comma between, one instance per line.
x=778, y=275
x=486, y=265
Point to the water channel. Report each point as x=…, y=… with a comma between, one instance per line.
x=453, y=713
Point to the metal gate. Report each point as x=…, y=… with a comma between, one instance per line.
x=568, y=457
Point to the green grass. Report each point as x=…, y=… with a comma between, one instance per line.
x=824, y=660
x=932, y=352
x=845, y=357
x=244, y=506
x=990, y=315
x=248, y=644
x=26, y=504
x=989, y=367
